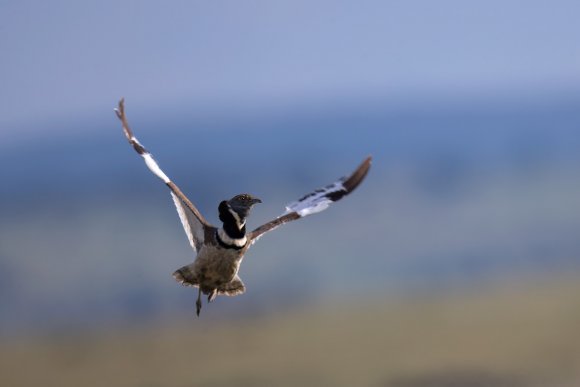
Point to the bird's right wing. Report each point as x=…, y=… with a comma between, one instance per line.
x=193, y=222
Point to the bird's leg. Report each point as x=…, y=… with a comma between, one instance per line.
x=198, y=302
x=212, y=295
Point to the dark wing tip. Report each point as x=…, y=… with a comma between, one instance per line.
x=358, y=175
x=331, y=193
x=120, y=109
x=120, y=112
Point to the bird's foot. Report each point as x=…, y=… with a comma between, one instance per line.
x=212, y=295
x=198, y=306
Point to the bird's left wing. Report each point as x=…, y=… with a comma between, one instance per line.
x=193, y=222
x=317, y=201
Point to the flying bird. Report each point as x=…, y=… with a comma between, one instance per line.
x=220, y=250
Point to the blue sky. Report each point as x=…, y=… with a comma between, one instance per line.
x=63, y=59
x=453, y=193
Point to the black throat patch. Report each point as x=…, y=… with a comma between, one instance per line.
x=230, y=224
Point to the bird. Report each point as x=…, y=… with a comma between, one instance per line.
x=220, y=250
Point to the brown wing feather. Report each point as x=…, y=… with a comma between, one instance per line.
x=318, y=200
x=357, y=176
x=193, y=222
x=273, y=224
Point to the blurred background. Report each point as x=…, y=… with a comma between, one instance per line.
x=456, y=263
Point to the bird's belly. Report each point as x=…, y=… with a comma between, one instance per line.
x=215, y=267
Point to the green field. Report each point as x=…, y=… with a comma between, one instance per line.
x=523, y=334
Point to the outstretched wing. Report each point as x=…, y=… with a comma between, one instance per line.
x=316, y=201
x=193, y=222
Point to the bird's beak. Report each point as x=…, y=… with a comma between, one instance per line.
x=256, y=201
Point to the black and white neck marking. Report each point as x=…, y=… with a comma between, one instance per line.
x=233, y=232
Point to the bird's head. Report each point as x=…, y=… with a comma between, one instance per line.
x=242, y=204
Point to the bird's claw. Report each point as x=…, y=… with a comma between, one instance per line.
x=198, y=307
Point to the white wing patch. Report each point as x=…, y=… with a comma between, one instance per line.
x=318, y=200
x=193, y=229
x=192, y=221
x=154, y=167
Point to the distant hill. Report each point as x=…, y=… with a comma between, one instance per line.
x=458, y=194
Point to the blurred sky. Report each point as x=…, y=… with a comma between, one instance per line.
x=297, y=92
x=70, y=58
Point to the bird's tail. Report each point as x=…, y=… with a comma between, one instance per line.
x=186, y=276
